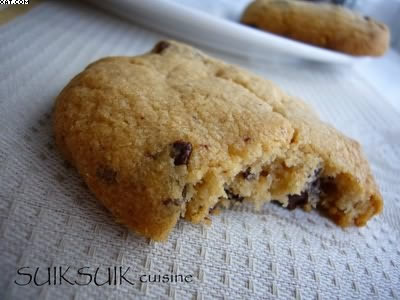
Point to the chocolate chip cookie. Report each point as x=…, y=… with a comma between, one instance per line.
x=176, y=134
x=322, y=24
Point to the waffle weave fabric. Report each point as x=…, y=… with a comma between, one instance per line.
x=49, y=219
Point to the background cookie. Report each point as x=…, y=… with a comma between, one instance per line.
x=325, y=25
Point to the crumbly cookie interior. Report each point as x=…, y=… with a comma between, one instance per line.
x=294, y=180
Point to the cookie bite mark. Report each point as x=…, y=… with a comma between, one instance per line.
x=181, y=152
x=308, y=184
x=106, y=174
x=160, y=47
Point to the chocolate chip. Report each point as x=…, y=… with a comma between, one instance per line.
x=313, y=192
x=297, y=200
x=232, y=196
x=169, y=201
x=264, y=173
x=160, y=47
x=84, y=185
x=247, y=139
x=106, y=174
x=181, y=152
x=252, y=25
x=317, y=172
x=67, y=164
x=327, y=185
x=248, y=175
x=276, y=202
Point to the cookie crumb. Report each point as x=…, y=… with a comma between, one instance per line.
x=297, y=200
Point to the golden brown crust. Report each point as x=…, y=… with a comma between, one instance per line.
x=171, y=133
x=321, y=24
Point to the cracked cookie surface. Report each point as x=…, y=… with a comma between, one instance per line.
x=176, y=134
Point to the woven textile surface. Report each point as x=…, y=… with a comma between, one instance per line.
x=49, y=219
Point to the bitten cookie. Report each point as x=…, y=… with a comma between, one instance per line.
x=176, y=134
x=321, y=24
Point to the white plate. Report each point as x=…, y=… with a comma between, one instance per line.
x=196, y=26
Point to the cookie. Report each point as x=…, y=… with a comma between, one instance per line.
x=321, y=24
x=176, y=134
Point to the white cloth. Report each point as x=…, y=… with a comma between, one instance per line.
x=47, y=218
